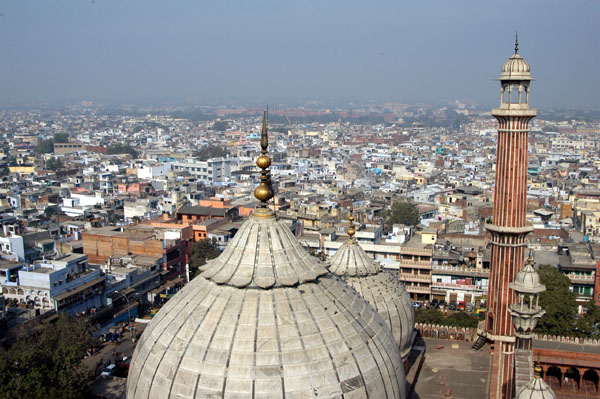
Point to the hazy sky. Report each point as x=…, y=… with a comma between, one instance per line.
x=255, y=51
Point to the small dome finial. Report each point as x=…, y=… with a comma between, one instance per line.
x=351, y=230
x=537, y=370
x=516, y=42
x=530, y=257
x=264, y=192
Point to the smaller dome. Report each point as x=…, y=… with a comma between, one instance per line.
x=516, y=64
x=351, y=261
x=528, y=281
x=536, y=389
x=516, y=68
x=384, y=291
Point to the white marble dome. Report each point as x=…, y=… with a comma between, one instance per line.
x=528, y=281
x=516, y=68
x=536, y=389
x=266, y=320
x=380, y=288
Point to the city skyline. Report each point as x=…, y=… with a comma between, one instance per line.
x=293, y=53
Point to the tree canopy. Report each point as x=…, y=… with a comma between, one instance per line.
x=220, y=126
x=54, y=164
x=45, y=146
x=203, y=251
x=122, y=149
x=61, y=138
x=210, y=151
x=558, y=301
x=435, y=316
x=48, y=364
x=402, y=212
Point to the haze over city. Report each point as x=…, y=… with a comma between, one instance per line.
x=292, y=52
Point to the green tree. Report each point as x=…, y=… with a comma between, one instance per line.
x=122, y=149
x=61, y=138
x=210, y=151
x=429, y=316
x=54, y=164
x=203, y=251
x=220, y=126
x=461, y=319
x=45, y=146
x=402, y=212
x=48, y=363
x=587, y=326
x=558, y=301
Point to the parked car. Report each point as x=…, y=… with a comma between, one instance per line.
x=461, y=305
x=469, y=307
x=109, y=370
x=452, y=305
x=442, y=304
x=434, y=303
x=417, y=305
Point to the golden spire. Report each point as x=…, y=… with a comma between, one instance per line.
x=351, y=230
x=516, y=42
x=537, y=370
x=530, y=258
x=264, y=192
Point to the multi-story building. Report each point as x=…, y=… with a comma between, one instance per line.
x=66, y=283
x=211, y=171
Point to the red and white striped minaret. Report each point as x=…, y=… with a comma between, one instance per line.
x=508, y=228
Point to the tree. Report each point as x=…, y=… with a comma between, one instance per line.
x=61, y=138
x=210, y=151
x=203, y=251
x=122, y=149
x=220, y=126
x=429, y=316
x=45, y=146
x=587, y=326
x=558, y=301
x=402, y=212
x=54, y=164
x=48, y=363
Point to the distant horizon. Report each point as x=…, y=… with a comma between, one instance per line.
x=337, y=52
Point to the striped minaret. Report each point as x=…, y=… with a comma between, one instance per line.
x=508, y=227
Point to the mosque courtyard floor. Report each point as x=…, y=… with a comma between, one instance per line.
x=451, y=369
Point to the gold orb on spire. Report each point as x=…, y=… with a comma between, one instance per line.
x=264, y=192
x=263, y=162
x=351, y=230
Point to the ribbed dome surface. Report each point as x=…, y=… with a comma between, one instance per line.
x=380, y=288
x=305, y=334
x=528, y=281
x=516, y=68
x=263, y=254
x=536, y=389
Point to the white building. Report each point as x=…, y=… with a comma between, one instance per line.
x=210, y=171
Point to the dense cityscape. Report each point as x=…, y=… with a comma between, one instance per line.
x=285, y=200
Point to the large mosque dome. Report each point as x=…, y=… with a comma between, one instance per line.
x=380, y=288
x=266, y=320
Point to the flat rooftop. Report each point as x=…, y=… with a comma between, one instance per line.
x=452, y=366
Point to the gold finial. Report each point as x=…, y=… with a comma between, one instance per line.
x=537, y=371
x=516, y=42
x=530, y=258
x=351, y=230
x=264, y=192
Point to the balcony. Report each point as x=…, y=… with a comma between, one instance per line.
x=418, y=290
x=423, y=278
x=419, y=264
x=466, y=287
x=460, y=271
x=581, y=278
